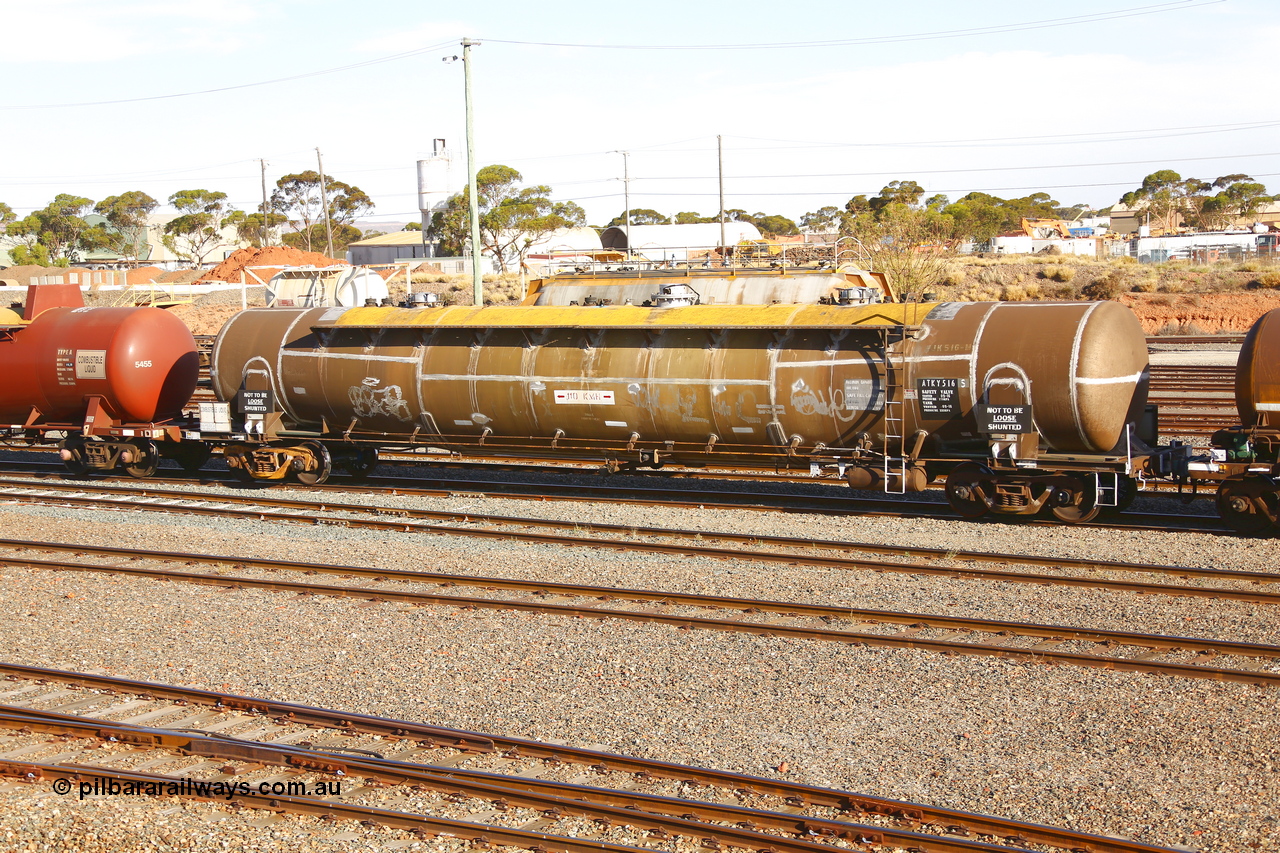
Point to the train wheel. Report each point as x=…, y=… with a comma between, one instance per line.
x=145, y=460
x=1248, y=504
x=967, y=488
x=1076, y=503
x=361, y=463
x=74, y=463
x=318, y=469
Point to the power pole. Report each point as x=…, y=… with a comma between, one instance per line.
x=626, y=197
x=266, y=216
x=720, y=161
x=324, y=202
x=473, y=195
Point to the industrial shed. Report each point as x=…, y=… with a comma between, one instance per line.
x=386, y=248
x=676, y=240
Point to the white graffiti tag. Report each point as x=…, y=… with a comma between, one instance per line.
x=368, y=402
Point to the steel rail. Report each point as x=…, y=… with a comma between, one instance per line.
x=694, y=819
x=716, y=499
x=1019, y=832
x=913, y=621
x=432, y=826
x=1226, y=337
x=669, y=532
x=305, y=513
x=844, y=505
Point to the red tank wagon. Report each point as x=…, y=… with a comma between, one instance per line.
x=108, y=383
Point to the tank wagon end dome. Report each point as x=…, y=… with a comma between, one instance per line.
x=1258, y=373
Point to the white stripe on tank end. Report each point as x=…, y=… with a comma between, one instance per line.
x=1108, y=380
x=1075, y=369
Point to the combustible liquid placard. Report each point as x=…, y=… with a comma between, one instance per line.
x=91, y=364
x=585, y=398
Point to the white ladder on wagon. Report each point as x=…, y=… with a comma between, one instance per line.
x=892, y=378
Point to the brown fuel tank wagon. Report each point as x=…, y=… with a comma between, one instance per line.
x=1245, y=460
x=893, y=394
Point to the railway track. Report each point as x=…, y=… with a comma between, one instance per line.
x=1224, y=338
x=839, y=502
x=1252, y=663
x=1194, y=400
x=509, y=791
x=667, y=541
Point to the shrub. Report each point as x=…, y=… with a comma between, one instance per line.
x=1107, y=287
x=979, y=294
x=1013, y=293
x=1147, y=286
x=1058, y=272
x=1250, y=266
x=1265, y=281
x=992, y=278
x=1125, y=260
x=1172, y=287
x=952, y=276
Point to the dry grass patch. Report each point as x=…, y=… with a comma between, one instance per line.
x=1058, y=272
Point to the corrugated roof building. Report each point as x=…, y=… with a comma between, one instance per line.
x=673, y=242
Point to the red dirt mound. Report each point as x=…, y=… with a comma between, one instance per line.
x=268, y=256
x=180, y=276
x=1200, y=313
x=144, y=275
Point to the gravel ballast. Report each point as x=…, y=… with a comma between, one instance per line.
x=1165, y=760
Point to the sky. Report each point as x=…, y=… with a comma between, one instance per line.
x=814, y=102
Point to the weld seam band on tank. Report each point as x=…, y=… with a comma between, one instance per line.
x=919, y=359
x=344, y=355
x=277, y=380
x=974, y=393
x=1072, y=387
x=608, y=380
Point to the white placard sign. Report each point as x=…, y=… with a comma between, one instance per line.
x=582, y=397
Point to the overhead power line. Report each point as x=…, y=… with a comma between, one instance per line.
x=1164, y=160
x=869, y=191
x=378, y=61
x=1073, y=138
x=1134, y=11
